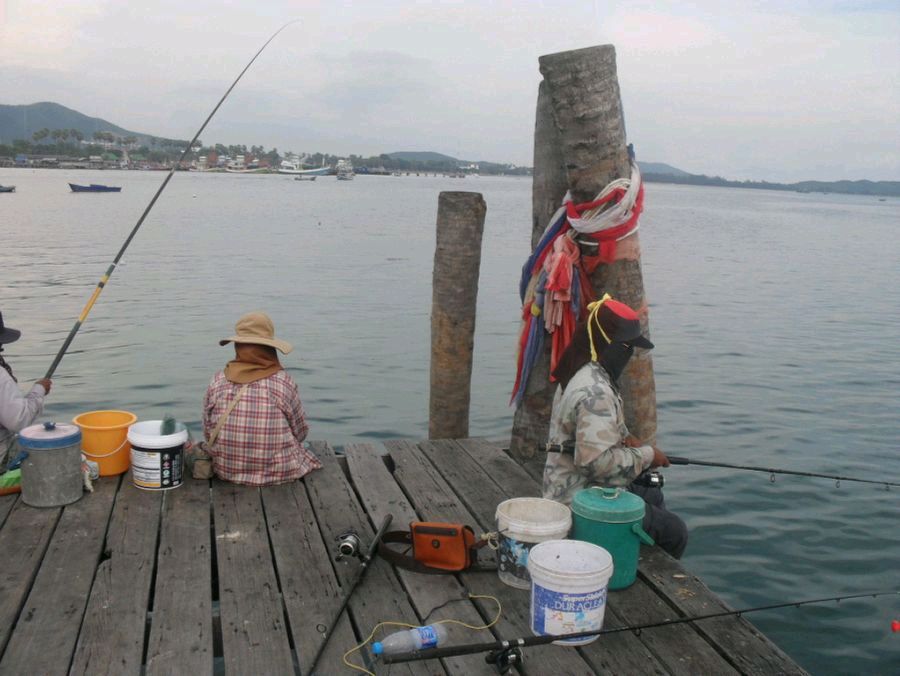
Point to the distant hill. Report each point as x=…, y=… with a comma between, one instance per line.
x=662, y=169
x=880, y=188
x=424, y=156
x=20, y=122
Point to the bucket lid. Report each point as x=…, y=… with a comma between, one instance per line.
x=610, y=505
x=49, y=435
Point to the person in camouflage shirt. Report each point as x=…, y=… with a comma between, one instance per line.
x=587, y=423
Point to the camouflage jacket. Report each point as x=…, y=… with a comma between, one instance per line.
x=590, y=413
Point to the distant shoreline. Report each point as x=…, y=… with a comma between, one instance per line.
x=869, y=188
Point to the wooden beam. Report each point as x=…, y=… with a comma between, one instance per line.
x=457, y=258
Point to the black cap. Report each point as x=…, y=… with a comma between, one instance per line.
x=621, y=324
x=8, y=335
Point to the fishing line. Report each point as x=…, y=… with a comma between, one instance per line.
x=501, y=647
x=105, y=278
x=678, y=460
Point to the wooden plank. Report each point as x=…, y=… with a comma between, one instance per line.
x=435, y=597
x=254, y=636
x=309, y=585
x=6, y=505
x=112, y=634
x=501, y=468
x=742, y=643
x=680, y=648
x=434, y=499
x=619, y=653
x=23, y=541
x=380, y=597
x=181, y=628
x=45, y=635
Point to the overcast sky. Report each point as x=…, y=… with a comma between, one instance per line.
x=776, y=90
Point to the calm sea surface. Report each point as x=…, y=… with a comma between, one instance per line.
x=776, y=318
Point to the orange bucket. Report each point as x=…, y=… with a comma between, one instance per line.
x=104, y=439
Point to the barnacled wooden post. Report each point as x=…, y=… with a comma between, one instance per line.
x=580, y=145
x=457, y=258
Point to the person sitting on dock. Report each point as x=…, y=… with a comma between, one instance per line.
x=587, y=423
x=252, y=414
x=17, y=411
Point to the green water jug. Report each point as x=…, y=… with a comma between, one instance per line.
x=611, y=518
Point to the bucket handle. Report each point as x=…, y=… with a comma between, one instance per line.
x=106, y=455
x=607, y=493
x=642, y=534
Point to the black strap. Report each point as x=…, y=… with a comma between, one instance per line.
x=565, y=447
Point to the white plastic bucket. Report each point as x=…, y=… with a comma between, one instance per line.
x=569, y=580
x=157, y=460
x=522, y=523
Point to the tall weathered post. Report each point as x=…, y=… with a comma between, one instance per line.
x=457, y=259
x=579, y=144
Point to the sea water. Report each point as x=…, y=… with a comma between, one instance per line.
x=776, y=319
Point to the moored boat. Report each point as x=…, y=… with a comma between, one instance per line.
x=94, y=187
x=304, y=178
x=288, y=167
x=7, y=188
x=344, y=170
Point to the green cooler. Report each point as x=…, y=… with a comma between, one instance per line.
x=611, y=518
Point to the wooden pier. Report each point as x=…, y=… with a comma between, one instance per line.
x=216, y=578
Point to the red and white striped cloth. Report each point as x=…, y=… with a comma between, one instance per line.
x=260, y=443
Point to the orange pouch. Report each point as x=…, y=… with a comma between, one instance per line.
x=446, y=546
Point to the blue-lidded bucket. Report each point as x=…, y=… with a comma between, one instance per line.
x=611, y=518
x=51, y=474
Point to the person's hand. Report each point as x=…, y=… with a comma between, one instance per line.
x=632, y=441
x=45, y=383
x=659, y=458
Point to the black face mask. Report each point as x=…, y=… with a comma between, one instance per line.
x=615, y=358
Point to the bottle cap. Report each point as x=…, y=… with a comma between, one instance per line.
x=377, y=648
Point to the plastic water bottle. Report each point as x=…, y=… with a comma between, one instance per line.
x=420, y=638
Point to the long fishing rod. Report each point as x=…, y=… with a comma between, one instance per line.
x=105, y=278
x=678, y=460
x=501, y=650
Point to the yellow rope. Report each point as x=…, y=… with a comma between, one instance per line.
x=593, y=309
x=389, y=623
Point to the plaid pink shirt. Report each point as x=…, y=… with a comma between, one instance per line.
x=260, y=442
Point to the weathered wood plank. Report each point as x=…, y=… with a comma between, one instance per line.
x=111, y=640
x=681, y=649
x=45, y=635
x=254, y=636
x=742, y=643
x=435, y=597
x=6, y=505
x=23, y=541
x=619, y=653
x=181, y=630
x=512, y=477
x=434, y=499
x=308, y=582
x=380, y=597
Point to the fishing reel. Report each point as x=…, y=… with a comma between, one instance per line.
x=650, y=479
x=505, y=659
x=348, y=545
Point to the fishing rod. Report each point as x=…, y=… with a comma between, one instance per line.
x=568, y=447
x=503, y=653
x=349, y=545
x=678, y=460
x=105, y=278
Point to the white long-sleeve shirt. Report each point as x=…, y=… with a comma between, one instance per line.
x=17, y=411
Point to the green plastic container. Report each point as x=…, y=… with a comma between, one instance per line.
x=611, y=518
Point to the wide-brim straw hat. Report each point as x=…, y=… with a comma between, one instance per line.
x=257, y=328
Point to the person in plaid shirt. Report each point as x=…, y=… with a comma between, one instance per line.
x=252, y=414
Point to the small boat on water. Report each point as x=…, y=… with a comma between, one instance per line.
x=304, y=178
x=289, y=167
x=7, y=188
x=94, y=187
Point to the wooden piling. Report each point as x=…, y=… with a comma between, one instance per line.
x=457, y=258
x=580, y=145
